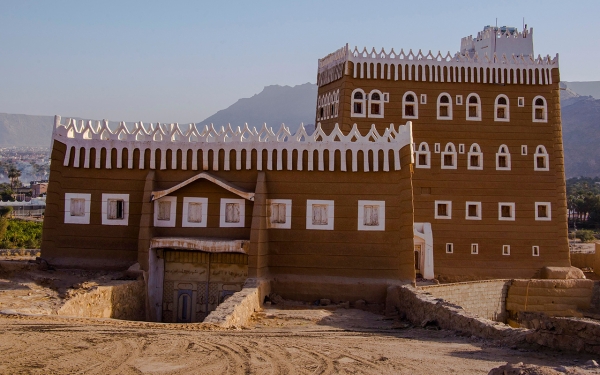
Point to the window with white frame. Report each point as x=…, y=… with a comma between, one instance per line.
x=77, y=208
x=423, y=98
x=535, y=251
x=459, y=99
x=279, y=213
x=444, y=107
x=475, y=157
x=449, y=248
x=371, y=215
x=165, y=210
x=473, y=211
x=436, y=148
x=521, y=101
x=473, y=107
x=506, y=211
x=423, y=156
x=195, y=212
x=410, y=106
x=376, y=101
x=115, y=209
x=501, y=108
x=358, y=103
x=540, y=159
x=523, y=150
x=474, y=248
x=540, y=109
x=542, y=211
x=461, y=148
x=232, y=213
x=443, y=209
x=505, y=249
x=319, y=214
x=449, y=156
x=503, y=158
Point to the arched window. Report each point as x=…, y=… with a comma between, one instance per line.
x=501, y=108
x=358, y=103
x=449, y=156
x=503, y=159
x=473, y=107
x=540, y=109
x=540, y=159
x=410, y=106
x=376, y=104
x=475, y=157
x=444, y=107
x=423, y=156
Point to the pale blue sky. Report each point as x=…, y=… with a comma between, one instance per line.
x=181, y=61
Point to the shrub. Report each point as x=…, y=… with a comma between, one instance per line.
x=585, y=235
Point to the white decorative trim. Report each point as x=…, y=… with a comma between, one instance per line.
x=543, y=107
x=172, y=213
x=362, y=101
x=185, y=212
x=327, y=105
x=288, y=214
x=506, y=107
x=125, y=219
x=540, y=152
x=423, y=149
x=449, y=248
x=478, y=217
x=381, y=102
x=449, y=105
x=474, y=248
x=476, y=105
x=475, y=150
x=548, y=211
x=448, y=210
x=507, y=155
x=309, y=214
x=415, y=105
x=512, y=211
x=242, y=207
x=361, y=215
x=172, y=137
x=449, y=150
x=85, y=219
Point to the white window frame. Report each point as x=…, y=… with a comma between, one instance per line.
x=524, y=150
x=461, y=148
x=474, y=248
x=436, y=148
x=381, y=103
x=508, y=161
x=548, y=211
x=361, y=215
x=423, y=99
x=459, y=100
x=448, y=209
x=543, y=154
x=242, y=222
x=506, y=250
x=535, y=253
x=288, y=214
x=448, y=146
x=478, y=106
x=449, y=104
x=475, y=153
x=309, y=214
x=185, y=211
x=521, y=101
x=427, y=154
x=449, y=248
x=415, y=105
x=105, y=219
x=467, y=204
x=512, y=211
x=363, y=101
x=505, y=106
x=172, y=212
x=543, y=107
x=85, y=219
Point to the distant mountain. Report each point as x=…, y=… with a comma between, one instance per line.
x=589, y=88
x=274, y=105
x=25, y=130
x=581, y=137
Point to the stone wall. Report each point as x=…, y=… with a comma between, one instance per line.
x=486, y=299
x=120, y=300
x=586, y=260
x=552, y=297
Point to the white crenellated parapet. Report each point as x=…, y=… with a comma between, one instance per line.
x=84, y=137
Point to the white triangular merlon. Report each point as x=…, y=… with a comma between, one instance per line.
x=173, y=137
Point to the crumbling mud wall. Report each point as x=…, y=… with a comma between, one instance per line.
x=552, y=297
x=237, y=309
x=486, y=299
x=120, y=300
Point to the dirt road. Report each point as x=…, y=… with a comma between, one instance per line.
x=279, y=342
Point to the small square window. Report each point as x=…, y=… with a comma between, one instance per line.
x=473, y=211
x=423, y=98
x=77, y=208
x=505, y=249
x=506, y=211
x=535, y=251
x=474, y=161
x=443, y=209
x=449, y=248
x=459, y=99
x=524, y=150
x=195, y=212
x=521, y=101
x=437, y=148
x=319, y=214
x=115, y=209
x=279, y=213
x=165, y=211
x=542, y=211
x=461, y=148
x=474, y=248
x=232, y=213
x=371, y=215
x=448, y=161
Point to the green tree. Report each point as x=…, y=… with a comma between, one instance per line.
x=13, y=176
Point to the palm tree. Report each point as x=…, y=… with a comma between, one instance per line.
x=13, y=175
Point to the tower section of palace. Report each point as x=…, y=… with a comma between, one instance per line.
x=488, y=183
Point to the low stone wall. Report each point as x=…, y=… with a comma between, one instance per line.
x=486, y=299
x=586, y=260
x=120, y=300
x=552, y=297
x=237, y=309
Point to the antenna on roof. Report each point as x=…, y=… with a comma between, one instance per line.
x=496, y=22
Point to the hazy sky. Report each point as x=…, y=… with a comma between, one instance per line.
x=181, y=61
